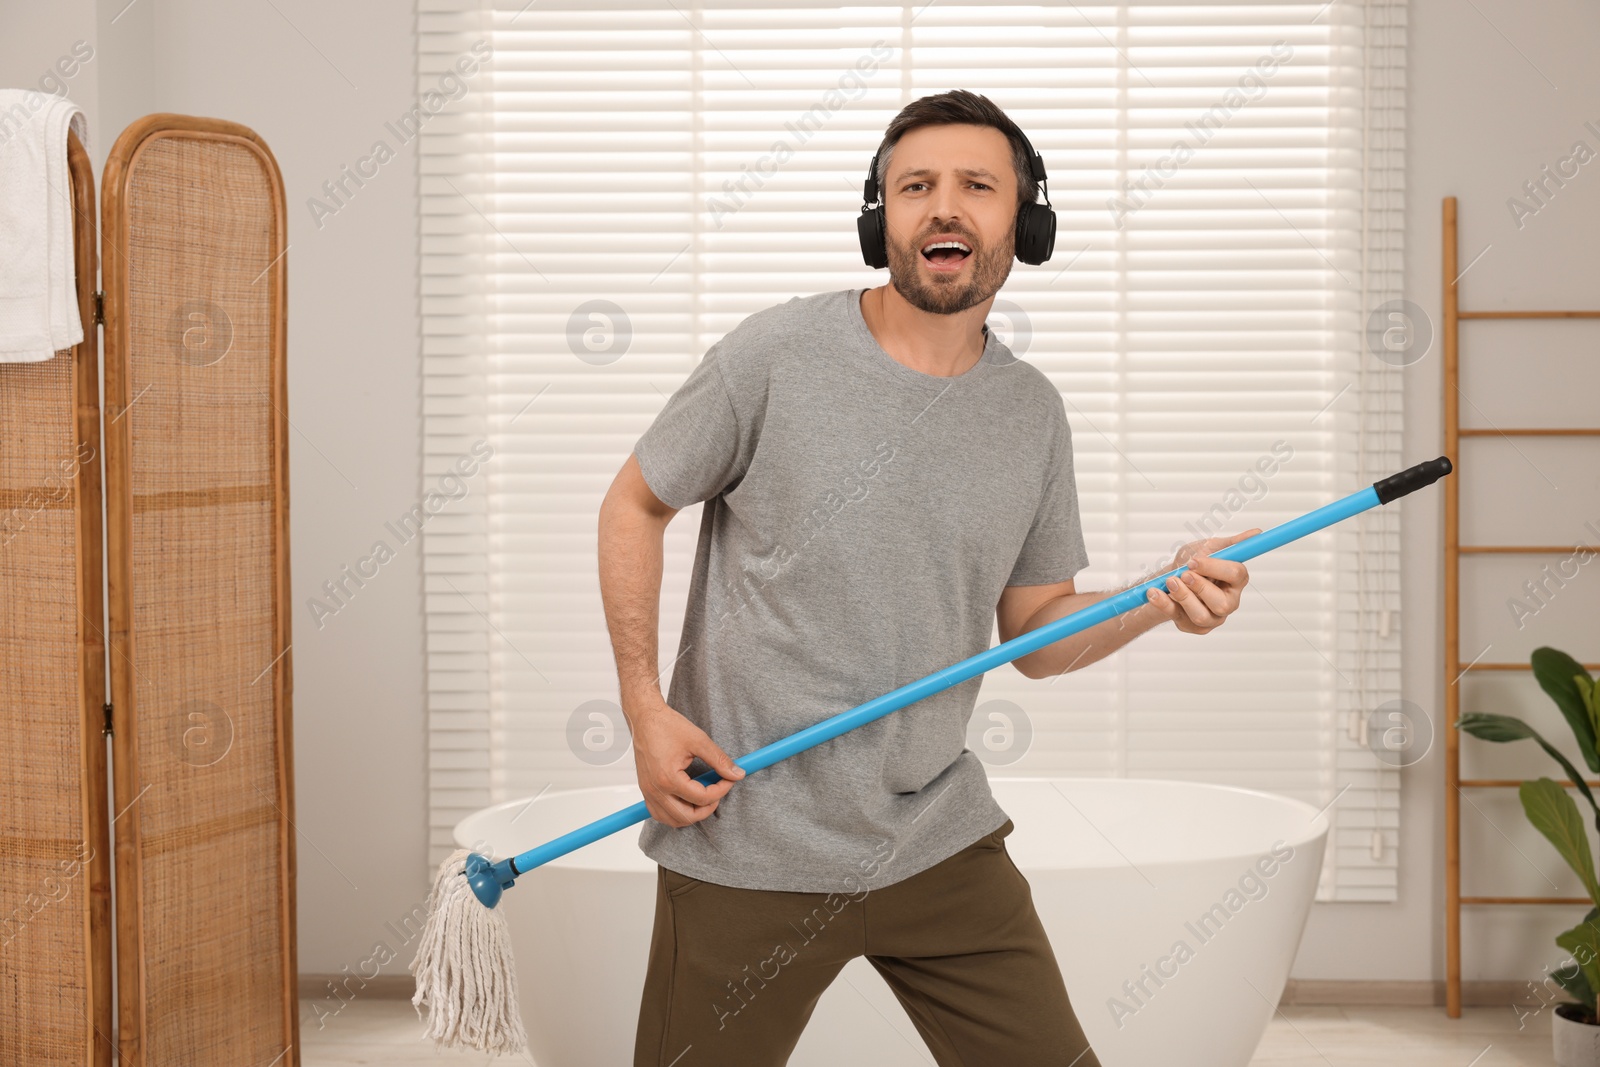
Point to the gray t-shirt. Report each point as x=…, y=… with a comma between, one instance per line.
x=861, y=521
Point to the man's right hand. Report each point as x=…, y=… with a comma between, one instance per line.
x=664, y=743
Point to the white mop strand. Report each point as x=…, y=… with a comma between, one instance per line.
x=465, y=974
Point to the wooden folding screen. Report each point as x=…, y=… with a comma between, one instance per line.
x=55, y=860
x=197, y=524
x=196, y=509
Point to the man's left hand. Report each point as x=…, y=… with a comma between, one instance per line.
x=1208, y=592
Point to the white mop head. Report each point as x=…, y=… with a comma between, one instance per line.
x=464, y=970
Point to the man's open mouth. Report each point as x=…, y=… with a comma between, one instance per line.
x=946, y=253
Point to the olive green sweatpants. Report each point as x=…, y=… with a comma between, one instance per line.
x=734, y=974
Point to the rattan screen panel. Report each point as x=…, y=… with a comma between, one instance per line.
x=55, y=863
x=197, y=520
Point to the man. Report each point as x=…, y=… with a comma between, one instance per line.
x=883, y=481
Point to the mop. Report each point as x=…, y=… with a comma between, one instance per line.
x=464, y=971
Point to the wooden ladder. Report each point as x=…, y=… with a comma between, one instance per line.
x=1454, y=668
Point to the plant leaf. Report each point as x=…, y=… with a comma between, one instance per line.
x=1586, y=690
x=1576, y=984
x=1583, y=941
x=1494, y=727
x=1555, y=671
x=1506, y=728
x=1553, y=814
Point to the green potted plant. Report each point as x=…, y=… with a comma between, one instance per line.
x=1576, y=1026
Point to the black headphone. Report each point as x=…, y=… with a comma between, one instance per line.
x=1036, y=223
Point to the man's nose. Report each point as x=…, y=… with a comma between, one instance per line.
x=944, y=208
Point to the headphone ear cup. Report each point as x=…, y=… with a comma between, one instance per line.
x=1036, y=233
x=869, y=231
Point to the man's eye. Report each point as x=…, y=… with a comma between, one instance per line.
x=913, y=185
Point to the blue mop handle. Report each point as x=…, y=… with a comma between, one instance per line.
x=488, y=880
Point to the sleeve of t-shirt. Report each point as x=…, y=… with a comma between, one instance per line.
x=1054, y=550
x=694, y=449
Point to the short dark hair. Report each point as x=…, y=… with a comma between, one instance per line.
x=958, y=106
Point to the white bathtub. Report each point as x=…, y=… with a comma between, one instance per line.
x=1121, y=869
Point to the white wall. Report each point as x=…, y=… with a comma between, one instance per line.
x=34, y=36
x=1482, y=121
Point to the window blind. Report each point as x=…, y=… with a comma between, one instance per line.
x=625, y=181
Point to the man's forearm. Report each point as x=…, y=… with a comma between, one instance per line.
x=630, y=588
x=1086, y=646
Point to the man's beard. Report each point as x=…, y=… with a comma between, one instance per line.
x=985, y=272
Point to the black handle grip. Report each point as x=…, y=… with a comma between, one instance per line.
x=1411, y=479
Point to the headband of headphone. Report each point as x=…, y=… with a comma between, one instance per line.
x=1036, y=223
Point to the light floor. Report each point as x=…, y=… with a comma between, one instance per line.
x=387, y=1032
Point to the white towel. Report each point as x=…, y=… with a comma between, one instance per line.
x=38, y=280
